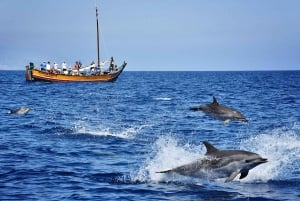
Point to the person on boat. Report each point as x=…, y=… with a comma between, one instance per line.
x=112, y=64
x=92, y=67
x=48, y=66
x=64, y=67
x=43, y=65
x=55, y=68
x=116, y=68
x=76, y=65
x=93, y=64
x=76, y=68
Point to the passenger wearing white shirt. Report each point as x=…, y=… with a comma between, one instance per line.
x=48, y=66
x=64, y=67
x=55, y=66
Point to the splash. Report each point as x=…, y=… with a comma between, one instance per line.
x=124, y=133
x=282, y=148
x=168, y=153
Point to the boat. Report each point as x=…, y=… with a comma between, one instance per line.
x=105, y=71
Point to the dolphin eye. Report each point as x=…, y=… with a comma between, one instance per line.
x=247, y=161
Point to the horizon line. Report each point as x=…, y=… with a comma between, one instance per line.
x=254, y=70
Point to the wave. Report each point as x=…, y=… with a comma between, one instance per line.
x=123, y=132
x=281, y=146
x=163, y=99
x=168, y=154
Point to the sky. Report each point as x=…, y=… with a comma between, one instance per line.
x=156, y=35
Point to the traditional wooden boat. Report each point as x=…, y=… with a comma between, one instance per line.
x=100, y=72
x=42, y=75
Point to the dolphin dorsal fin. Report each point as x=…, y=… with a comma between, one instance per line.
x=215, y=101
x=210, y=149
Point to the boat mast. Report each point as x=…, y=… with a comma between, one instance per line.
x=98, y=42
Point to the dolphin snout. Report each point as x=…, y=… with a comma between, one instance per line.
x=245, y=120
x=264, y=160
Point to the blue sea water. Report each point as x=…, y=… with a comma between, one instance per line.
x=106, y=141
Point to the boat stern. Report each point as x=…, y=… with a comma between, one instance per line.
x=28, y=74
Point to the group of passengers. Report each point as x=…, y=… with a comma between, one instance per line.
x=63, y=69
x=77, y=68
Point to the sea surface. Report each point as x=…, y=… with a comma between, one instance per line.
x=106, y=141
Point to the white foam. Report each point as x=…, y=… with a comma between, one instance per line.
x=281, y=147
x=163, y=99
x=167, y=154
x=125, y=133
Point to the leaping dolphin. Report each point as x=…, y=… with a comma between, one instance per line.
x=220, y=164
x=220, y=111
x=22, y=110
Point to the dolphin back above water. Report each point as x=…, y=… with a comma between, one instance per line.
x=220, y=164
x=22, y=110
x=220, y=111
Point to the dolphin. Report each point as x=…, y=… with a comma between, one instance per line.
x=220, y=111
x=220, y=164
x=22, y=110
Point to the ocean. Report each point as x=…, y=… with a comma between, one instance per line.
x=106, y=141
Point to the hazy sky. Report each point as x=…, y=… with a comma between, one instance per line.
x=153, y=34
